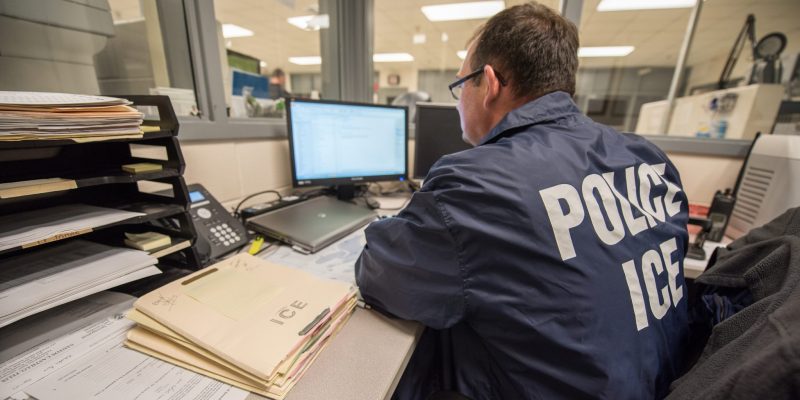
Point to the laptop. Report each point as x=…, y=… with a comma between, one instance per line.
x=313, y=224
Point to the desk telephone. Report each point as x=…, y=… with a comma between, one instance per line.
x=218, y=232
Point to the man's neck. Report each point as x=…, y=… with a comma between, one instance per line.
x=501, y=109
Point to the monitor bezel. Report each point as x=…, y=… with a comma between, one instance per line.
x=343, y=180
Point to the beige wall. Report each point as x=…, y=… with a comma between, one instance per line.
x=703, y=175
x=233, y=170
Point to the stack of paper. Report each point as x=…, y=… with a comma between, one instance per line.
x=45, y=326
x=43, y=116
x=31, y=228
x=39, y=280
x=75, y=352
x=244, y=321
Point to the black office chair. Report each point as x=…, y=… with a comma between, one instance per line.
x=447, y=395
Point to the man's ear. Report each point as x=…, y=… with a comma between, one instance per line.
x=493, y=86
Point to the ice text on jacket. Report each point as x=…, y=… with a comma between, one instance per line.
x=648, y=202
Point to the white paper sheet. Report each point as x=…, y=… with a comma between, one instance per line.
x=92, y=364
x=56, y=99
x=52, y=324
x=121, y=373
x=29, y=367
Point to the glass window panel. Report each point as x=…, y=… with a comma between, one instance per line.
x=626, y=91
x=431, y=50
x=401, y=27
x=627, y=59
x=750, y=96
x=115, y=48
x=271, y=51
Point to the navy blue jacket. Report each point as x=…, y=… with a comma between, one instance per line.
x=547, y=261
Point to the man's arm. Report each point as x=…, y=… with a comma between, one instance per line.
x=410, y=266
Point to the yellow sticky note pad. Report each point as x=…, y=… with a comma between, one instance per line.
x=214, y=291
x=139, y=168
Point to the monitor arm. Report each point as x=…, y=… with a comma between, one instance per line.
x=748, y=32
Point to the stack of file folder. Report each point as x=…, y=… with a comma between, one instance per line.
x=244, y=321
x=47, y=116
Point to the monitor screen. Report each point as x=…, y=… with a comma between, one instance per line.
x=195, y=196
x=438, y=133
x=338, y=143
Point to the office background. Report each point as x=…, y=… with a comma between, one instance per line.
x=366, y=50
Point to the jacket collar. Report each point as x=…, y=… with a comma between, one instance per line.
x=549, y=107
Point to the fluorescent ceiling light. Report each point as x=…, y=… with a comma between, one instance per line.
x=420, y=38
x=461, y=11
x=379, y=57
x=462, y=54
x=232, y=31
x=306, y=60
x=606, y=51
x=623, y=5
x=311, y=22
x=392, y=57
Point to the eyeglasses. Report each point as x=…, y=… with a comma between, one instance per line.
x=457, y=86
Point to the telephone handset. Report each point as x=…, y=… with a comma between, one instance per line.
x=218, y=232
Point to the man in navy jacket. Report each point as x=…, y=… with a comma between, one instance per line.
x=547, y=261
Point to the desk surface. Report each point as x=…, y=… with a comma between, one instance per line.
x=363, y=361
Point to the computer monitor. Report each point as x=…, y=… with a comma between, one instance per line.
x=438, y=133
x=768, y=185
x=334, y=143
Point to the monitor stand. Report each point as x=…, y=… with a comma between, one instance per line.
x=345, y=192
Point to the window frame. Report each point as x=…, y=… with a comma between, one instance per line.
x=214, y=123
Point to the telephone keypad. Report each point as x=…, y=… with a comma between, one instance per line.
x=222, y=234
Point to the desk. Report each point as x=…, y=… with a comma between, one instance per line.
x=366, y=359
x=363, y=361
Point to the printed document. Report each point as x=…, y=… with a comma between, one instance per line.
x=90, y=363
x=59, y=321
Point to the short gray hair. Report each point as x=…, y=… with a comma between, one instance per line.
x=532, y=47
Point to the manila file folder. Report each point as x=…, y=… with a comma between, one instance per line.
x=248, y=311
